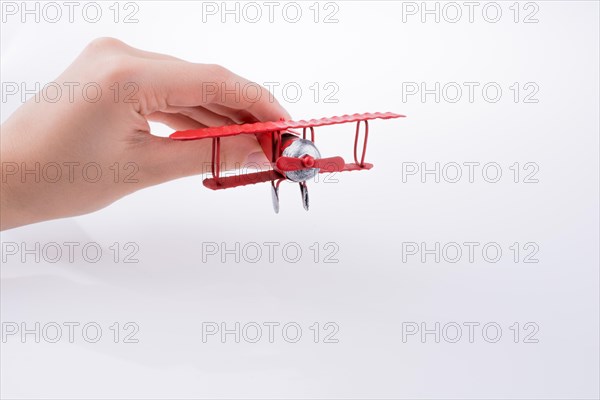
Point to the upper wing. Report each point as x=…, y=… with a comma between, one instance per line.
x=272, y=126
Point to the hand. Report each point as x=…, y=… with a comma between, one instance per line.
x=90, y=147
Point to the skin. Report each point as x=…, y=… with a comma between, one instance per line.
x=73, y=132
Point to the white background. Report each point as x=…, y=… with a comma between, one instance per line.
x=370, y=294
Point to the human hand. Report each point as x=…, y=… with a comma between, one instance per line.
x=102, y=143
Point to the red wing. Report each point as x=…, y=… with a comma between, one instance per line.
x=272, y=126
x=356, y=167
x=229, y=130
x=228, y=182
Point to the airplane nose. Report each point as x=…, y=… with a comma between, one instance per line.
x=308, y=152
x=308, y=161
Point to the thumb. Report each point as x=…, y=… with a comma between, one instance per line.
x=167, y=159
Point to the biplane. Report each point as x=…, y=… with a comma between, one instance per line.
x=292, y=155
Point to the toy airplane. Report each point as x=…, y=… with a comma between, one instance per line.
x=293, y=157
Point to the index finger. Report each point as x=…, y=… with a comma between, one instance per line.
x=180, y=83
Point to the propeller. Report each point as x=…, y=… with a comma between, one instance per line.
x=331, y=164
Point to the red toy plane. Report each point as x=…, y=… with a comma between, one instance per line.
x=293, y=156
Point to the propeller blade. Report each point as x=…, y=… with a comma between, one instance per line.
x=304, y=193
x=275, y=196
x=290, y=164
x=330, y=164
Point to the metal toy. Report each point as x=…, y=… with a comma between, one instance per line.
x=293, y=156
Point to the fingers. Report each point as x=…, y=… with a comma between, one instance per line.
x=167, y=81
x=214, y=114
x=182, y=84
x=109, y=45
x=185, y=96
x=177, y=122
x=166, y=159
x=239, y=116
x=201, y=115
